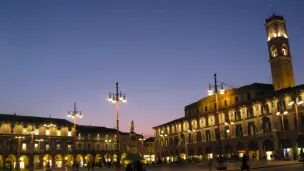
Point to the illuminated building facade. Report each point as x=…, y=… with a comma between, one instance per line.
x=50, y=140
x=262, y=120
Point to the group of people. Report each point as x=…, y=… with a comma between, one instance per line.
x=136, y=166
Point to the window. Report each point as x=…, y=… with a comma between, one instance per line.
x=227, y=117
x=69, y=133
x=236, y=99
x=225, y=102
x=238, y=130
x=36, y=132
x=23, y=146
x=58, y=146
x=265, y=109
x=69, y=147
x=251, y=128
x=237, y=116
x=248, y=96
x=58, y=133
x=217, y=134
x=250, y=113
x=284, y=49
x=47, y=132
x=208, y=135
x=189, y=138
x=198, y=137
x=286, y=124
x=273, y=51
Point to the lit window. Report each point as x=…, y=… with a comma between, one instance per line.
x=23, y=146
x=47, y=132
x=69, y=133
x=36, y=132
x=58, y=133
x=273, y=51
x=36, y=145
x=284, y=49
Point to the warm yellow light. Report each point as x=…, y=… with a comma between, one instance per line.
x=285, y=113
x=291, y=103
x=228, y=130
x=278, y=113
x=232, y=123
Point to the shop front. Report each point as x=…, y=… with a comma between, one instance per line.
x=240, y=149
x=253, y=150
x=268, y=149
x=209, y=153
x=287, y=148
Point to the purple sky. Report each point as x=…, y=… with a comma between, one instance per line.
x=163, y=54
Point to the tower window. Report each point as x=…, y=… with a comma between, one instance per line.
x=284, y=49
x=273, y=51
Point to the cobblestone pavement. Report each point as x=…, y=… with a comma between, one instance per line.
x=254, y=165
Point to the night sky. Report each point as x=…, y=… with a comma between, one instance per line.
x=162, y=53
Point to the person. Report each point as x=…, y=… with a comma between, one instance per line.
x=129, y=168
x=244, y=163
x=138, y=166
x=210, y=164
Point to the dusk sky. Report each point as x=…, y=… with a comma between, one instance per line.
x=162, y=53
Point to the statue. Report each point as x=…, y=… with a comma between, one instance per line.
x=132, y=126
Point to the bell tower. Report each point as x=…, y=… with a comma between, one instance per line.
x=279, y=53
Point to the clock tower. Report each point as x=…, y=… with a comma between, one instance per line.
x=279, y=53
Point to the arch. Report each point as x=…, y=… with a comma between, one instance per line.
x=37, y=162
x=79, y=159
x=123, y=155
x=107, y=158
x=252, y=145
x=24, y=161
x=1, y=161
x=240, y=146
x=114, y=157
x=268, y=145
x=88, y=158
x=274, y=51
x=284, y=49
x=11, y=158
x=300, y=141
x=286, y=143
x=199, y=151
x=47, y=160
x=191, y=152
x=98, y=158
x=208, y=150
x=228, y=148
x=58, y=161
x=68, y=160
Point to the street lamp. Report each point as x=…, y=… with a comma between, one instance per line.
x=18, y=157
x=115, y=98
x=142, y=144
x=210, y=92
x=74, y=114
x=296, y=102
x=49, y=127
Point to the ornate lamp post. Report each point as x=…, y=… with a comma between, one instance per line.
x=74, y=114
x=142, y=139
x=49, y=127
x=115, y=98
x=18, y=152
x=218, y=134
